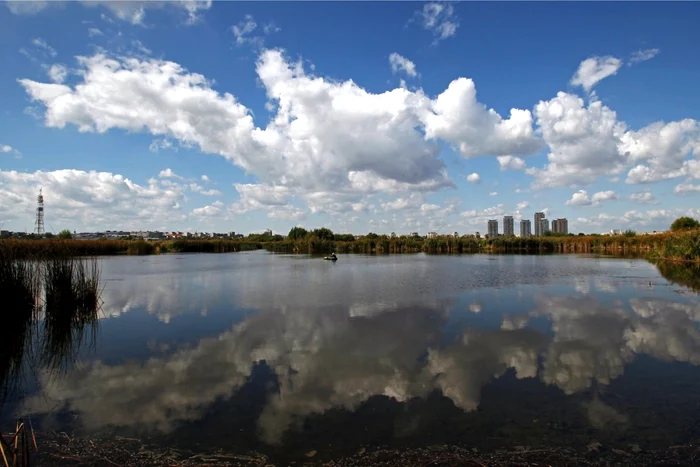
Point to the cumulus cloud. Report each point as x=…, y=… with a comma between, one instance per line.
x=97, y=200
x=493, y=193
x=474, y=178
x=440, y=19
x=661, y=150
x=168, y=173
x=583, y=141
x=643, y=55
x=207, y=211
x=457, y=117
x=511, y=163
x=644, y=197
x=95, y=32
x=592, y=70
x=335, y=138
x=400, y=63
x=58, y=73
x=686, y=188
x=522, y=205
x=133, y=11
x=580, y=198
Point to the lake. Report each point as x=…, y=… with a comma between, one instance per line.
x=289, y=354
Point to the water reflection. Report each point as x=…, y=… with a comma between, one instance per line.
x=320, y=342
x=52, y=307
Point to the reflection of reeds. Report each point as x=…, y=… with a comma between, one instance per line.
x=19, y=287
x=71, y=303
x=66, y=290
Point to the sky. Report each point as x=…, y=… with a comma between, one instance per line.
x=356, y=116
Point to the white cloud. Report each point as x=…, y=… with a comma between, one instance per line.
x=439, y=18
x=94, y=32
x=132, y=11
x=511, y=163
x=644, y=197
x=168, y=173
x=583, y=141
x=474, y=178
x=271, y=28
x=97, y=200
x=210, y=192
x=459, y=118
x=58, y=73
x=661, y=150
x=493, y=193
x=522, y=205
x=22, y=7
x=205, y=179
x=7, y=149
x=643, y=55
x=207, y=211
x=41, y=44
x=400, y=63
x=685, y=188
x=580, y=198
x=163, y=143
x=593, y=70
x=601, y=196
x=243, y=32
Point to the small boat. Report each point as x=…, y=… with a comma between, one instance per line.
x=331, y=258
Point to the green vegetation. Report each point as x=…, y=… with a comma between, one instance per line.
x=685, y=223
x=59, y=294
x=687, y=274
x=65, y=234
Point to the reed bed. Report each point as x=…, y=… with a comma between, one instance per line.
x=50, y=305
x=61, y=248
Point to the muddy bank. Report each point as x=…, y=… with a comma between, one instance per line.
x=62, y=450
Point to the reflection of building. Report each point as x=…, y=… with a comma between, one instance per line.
x=538, y=217
x=560, y=226
x=493, y=228
x=508, y=226
x=525, y=228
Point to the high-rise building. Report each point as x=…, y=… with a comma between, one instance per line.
x=560, y=226
x=508, y=225
x=543, y=226
x=538, y=217
x=525, y=228
x=493, y=228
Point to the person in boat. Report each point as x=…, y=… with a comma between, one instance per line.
x=333, y=256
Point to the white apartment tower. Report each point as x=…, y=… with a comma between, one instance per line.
x=538, y=217
x=508, y=226
x=525, y=228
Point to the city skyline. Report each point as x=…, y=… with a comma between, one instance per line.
x=405, y=127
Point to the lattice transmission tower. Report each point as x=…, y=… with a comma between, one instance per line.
x=39, y=227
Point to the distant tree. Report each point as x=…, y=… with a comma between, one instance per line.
x=344, y=237
x=371, y=235
x=297, y=233
x=64, y=234
x=48, y=235
x=630, y=233
x=684, y=223
x=581, y=234
x=323, y=233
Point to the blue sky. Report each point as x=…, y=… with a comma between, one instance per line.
x=358, y=116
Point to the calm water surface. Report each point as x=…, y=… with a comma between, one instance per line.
x=284, y=354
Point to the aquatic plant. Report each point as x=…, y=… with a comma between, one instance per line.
x=60, y=295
